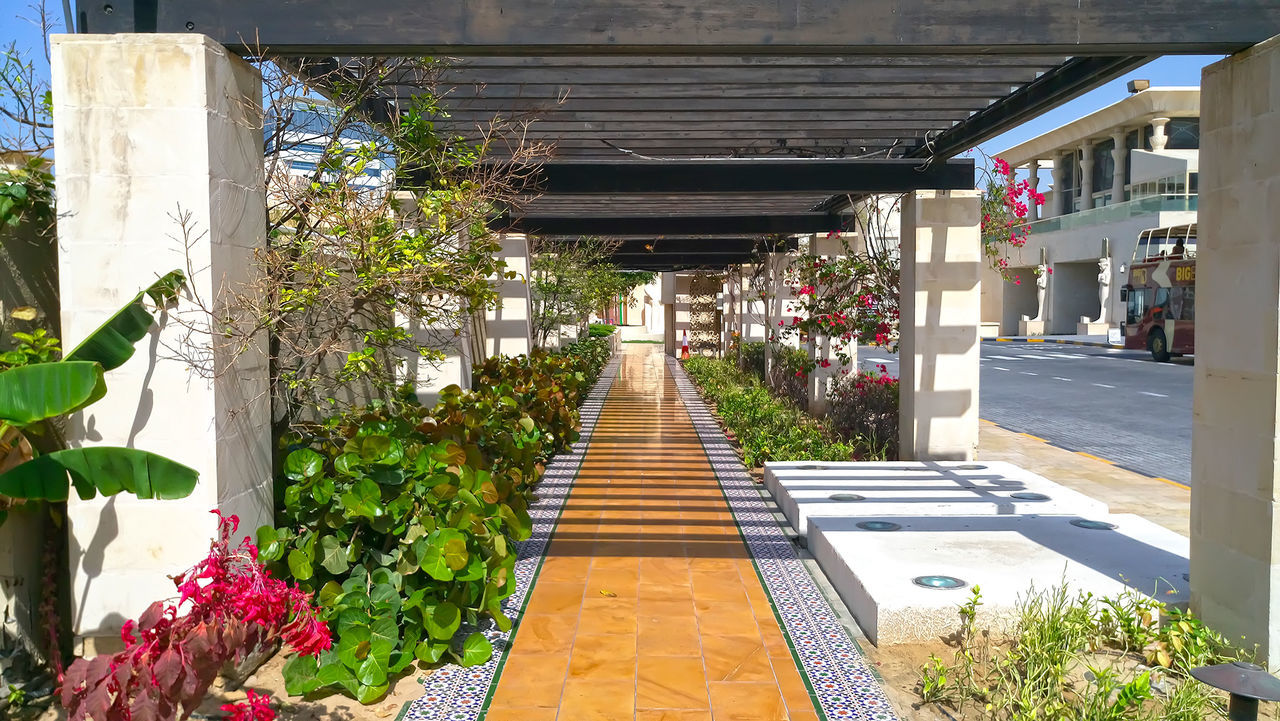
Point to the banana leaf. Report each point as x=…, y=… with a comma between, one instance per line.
x=46, y=390
x=112, y=343
x=104, y=470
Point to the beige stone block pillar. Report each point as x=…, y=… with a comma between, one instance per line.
x=1235, y=527
x=670, y=339
x=149, y=126
x=507, y=326
x=941, y=305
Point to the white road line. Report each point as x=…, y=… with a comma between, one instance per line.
x=1157, y=395
x=882, y=360
x=999, y=368
x=1056, y=378
x=1028, y=373
x=1002, y=357
x=1033, y=357
x=1071, y=356
x=1103, y=385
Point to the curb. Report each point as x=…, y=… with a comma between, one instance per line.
x=1090, y=456
x=1060, y=341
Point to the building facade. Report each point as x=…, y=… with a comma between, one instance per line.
x=1111, y=174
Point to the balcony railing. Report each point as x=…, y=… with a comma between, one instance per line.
x=1115, y=212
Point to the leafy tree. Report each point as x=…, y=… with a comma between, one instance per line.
x=571, y=279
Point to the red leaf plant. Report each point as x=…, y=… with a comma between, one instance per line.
x=228, y=606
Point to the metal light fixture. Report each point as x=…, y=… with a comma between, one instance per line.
x=1248, y=683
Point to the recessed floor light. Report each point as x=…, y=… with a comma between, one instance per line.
x=939, y=582
x=1029, y=496
x=1093, y=525
x=878, y=526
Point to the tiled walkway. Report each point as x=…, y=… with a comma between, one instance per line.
x=648, y=605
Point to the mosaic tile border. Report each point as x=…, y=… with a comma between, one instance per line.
x=830, y=661
x=453, y=693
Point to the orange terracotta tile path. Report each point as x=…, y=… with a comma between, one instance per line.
x=647, y=605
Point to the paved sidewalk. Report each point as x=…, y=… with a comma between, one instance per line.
x=648, y=605
x=1159, y=501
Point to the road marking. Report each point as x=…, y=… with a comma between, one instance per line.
x=1096, y=458
x=882, y=360
x=1067, y=355
x=1103, y=385
x=1183, y=486
x=1035, y=340
x=1033, y=357
x=1002, y=357
x=1157, y=395
x=1056, y=378
x=1034, y=438
x=999, y=368
x=1028, y=373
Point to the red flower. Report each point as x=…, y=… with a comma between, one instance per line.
x=256, y=708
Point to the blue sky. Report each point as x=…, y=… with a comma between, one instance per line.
x=1169, y=70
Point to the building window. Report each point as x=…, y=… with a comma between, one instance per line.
x=1184, y=134
x=302, y=165
x=1132, y=142
x=1104, y=165
x=1066, y=194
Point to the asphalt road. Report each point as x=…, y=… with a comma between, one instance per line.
x=1117, y=405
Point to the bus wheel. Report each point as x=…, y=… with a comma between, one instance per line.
x=1159, y=347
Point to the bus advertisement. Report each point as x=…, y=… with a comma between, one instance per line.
x=1160, y=295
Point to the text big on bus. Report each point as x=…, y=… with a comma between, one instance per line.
x=1160, y=295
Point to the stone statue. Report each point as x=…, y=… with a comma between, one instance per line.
x=1042, y=287
x=1104, y=288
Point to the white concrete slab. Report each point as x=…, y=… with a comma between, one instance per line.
x=910, y=488
x=1003, y=555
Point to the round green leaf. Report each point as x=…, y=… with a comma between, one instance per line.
x=303, y=463
x=476, y=649
x=300, y=565
x=443, y=621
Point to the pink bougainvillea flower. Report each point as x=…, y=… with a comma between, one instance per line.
x=257, y=707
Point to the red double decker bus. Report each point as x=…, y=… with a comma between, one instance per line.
x=1160, y=295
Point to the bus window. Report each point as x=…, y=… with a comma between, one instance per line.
x=1188, y=304
x=1162, y=302
x=1176, y=303
x=1137, y=308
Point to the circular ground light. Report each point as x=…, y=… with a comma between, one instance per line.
x=971, y=467
x=846, y=497
x=878, y=526
x=939, y=582
x=1093, y=525
x=1029, y=496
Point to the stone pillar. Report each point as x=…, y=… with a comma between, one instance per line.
x=1158, y=138
x=1120, y=154
x=670, y=339
x=941, y=305
x=1033, y=176
x=1235, y=522
x=1086, y=176
x=507, y=327
x=1056, y=204
x=148, y=125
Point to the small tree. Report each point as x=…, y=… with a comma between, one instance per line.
x=1006, y=205
x=569, y=280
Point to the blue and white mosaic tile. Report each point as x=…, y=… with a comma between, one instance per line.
x=845, y=686
x=454, y=693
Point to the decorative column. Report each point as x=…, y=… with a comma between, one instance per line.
x=1033, y=176
x=1056, y=205
x=1158, y=138
x=146, y=125
x=1086, y=176
x=669, y=338
x=1235, y=520
x=507, y=327
x=941, y=304
x=1120, y=156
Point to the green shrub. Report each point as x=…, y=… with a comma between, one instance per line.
x=767, y=428
x=864, y=407
x=600, y=330
x=789, y=377
x=402, y=519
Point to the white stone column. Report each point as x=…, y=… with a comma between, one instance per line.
x=1235, y=521
x=1055, y=204
x=670, y=339
x=1086, y=176
x=1033, y=177
x=941, y=305
x=1158, y=138
x=508, y=330
x=147, y=125
x=1119, y=154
